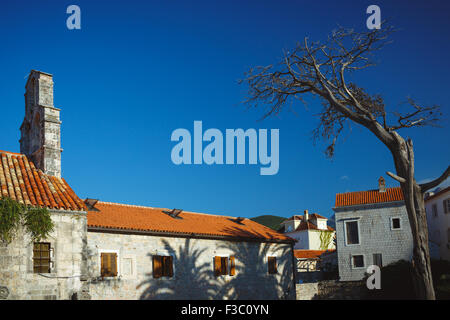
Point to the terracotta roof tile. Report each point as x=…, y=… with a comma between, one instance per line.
x=21, y=181
x=138, y=218
x=310, y=226
x=309, y=254
x=368, y=197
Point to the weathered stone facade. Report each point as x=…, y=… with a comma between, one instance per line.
x=67, y=242
x=41, y=128
x=74, y=250
x=332, y=290
x=193, y=268
x=376, y=236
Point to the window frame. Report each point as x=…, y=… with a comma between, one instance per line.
x=268, y=265
x=230, y=265
x=50, y=258
x=381, y=258
x=100, y=251
x=163, y=274
x=352, y=260
x=446, y=205
x=345, y=232
x=399, y=221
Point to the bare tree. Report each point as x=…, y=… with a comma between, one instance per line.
x=321, y=69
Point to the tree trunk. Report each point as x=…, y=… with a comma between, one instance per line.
x=421, y=274
x=415, y=206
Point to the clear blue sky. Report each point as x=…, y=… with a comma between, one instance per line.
x=137, y=70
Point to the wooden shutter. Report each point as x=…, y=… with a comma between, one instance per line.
x=108, y=262
x=105, y=269
x=157, y=267
x=113, y=264
x=217, y=265
x=232, y=266
x=272, y=263
x=224, y=263
x=169, y=266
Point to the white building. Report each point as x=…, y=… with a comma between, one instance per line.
x=437, y=205
x=310, y=230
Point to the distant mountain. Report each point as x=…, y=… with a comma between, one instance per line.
x=273, y=222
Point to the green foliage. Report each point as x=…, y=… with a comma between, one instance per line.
x=10, y=217
x=325, y=239
x=37, y=221
x=272, y=222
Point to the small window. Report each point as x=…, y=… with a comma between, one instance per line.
x=108, y=264
x=358, y=261
x=221, y=266
x=446, y=204
x=162, y=266
x=434, y=209
x=396, y=223
x=448, y=235
x=377, y=259
x=272, y=265
x=352, y=232
x=41, y=257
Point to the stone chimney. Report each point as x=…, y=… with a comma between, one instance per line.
x=381, y=185
x=306, y=216
x=40, y=131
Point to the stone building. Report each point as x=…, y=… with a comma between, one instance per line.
x=437, y=205
x=103, y=250
x=372, y=228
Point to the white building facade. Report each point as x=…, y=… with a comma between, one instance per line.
x=437, y=205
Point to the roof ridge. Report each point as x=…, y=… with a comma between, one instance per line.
x=376, y=190
x=147, y=207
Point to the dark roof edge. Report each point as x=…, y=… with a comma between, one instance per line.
x=185, y=235
x=373, y=204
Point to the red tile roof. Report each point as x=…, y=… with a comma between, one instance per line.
x=310, y=254
x=306, y=225
x=368, y=197
x=147, y=219
x=21, y=181
x=310, y=226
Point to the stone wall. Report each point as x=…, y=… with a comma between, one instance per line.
x=307, y=291
x=193, y=268
x=17, y=280
x=376, y=236
x=331, y=290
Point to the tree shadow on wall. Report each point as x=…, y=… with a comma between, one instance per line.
x=195, y=280
x=252, y=279
x=191, y=280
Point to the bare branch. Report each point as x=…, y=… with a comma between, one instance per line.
x=421, y=116
x=429, y=185
x=396, y=177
